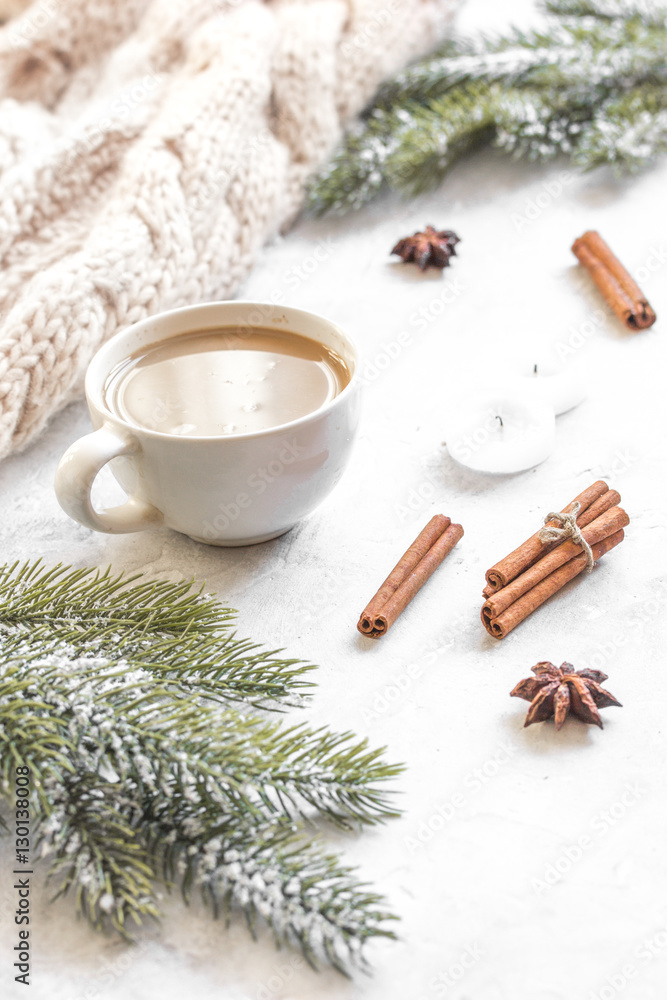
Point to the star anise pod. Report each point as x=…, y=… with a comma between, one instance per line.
x=430, y=247
x=556, y=691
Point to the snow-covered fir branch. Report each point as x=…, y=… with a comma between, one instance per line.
x=590, y=83
x=118, y=694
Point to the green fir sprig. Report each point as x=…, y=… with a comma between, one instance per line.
x=121, y=696
x=591, y=84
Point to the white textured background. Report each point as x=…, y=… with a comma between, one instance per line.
x=498, y=885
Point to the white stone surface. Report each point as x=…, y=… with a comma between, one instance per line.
x=502, y=878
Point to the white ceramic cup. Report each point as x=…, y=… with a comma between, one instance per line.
x=227, y=490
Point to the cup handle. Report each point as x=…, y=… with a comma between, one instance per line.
x=76, y=473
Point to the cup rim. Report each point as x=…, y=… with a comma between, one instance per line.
x=94, y=392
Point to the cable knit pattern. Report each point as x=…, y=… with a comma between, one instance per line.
x=148, y=148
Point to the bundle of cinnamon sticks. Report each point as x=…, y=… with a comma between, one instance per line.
x=531, y=574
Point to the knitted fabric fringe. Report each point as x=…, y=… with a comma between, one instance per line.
x=148, y=148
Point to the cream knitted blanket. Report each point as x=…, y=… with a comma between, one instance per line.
x=148, y=148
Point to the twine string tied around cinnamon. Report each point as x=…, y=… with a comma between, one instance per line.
x=568, y=528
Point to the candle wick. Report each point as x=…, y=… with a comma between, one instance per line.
x=498, y=417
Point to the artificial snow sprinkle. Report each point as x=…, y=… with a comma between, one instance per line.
x=144, y=772
x=589, y=83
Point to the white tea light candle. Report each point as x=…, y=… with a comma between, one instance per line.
x=563, y=386
x=500, y=432
x=538, y=367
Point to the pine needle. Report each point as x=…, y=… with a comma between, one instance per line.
x=590, y=84
x=118, y=693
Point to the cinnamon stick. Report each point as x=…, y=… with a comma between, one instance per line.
x=502, y=625
x=609, y=523
x=619, y=288
x=608, y=500
x=409, y=575
x=533, y=549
